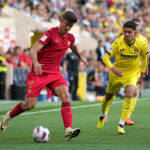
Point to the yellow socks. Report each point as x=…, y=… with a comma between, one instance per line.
x=126, y=110
x=132, y=106
x=106, y=104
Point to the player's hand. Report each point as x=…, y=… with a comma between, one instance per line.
x=117, y=72
x=37, y=68
x=84, y=60
x=141, y=78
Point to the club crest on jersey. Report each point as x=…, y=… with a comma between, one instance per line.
x=69, y=42
x=110, y=50
x=56, y=41
x=43, y=38
x=136, y=50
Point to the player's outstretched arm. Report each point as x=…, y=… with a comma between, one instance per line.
x=82, y=59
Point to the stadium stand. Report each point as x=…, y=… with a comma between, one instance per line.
x=99, y=20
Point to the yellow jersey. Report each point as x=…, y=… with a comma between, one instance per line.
x=142, y=38
x=127, y=57
x=2, y=68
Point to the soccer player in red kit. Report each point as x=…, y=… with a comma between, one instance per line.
x=46, y=55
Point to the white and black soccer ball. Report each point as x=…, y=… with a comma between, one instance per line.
x=41, y=134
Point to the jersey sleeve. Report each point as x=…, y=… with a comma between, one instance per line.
x=111, y=51
x=144, y=53
x=71, y=39
x=144, y=50
x=45, y=38
x=109, y=54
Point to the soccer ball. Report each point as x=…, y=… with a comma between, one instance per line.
x=41, y=134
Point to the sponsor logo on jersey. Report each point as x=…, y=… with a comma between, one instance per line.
x=129, y=56
x=110, y=50
x=43, y=38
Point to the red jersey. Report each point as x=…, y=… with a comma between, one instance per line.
x=25, y=59
x=55, y=46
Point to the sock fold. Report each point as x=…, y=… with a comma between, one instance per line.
x=16, y=110
x=66, y=113
x=126, y=108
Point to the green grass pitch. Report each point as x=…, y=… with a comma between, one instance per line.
x=18, y=136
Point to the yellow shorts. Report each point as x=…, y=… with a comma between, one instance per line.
x=115, y=83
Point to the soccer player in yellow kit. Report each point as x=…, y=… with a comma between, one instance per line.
x=142, y=39
x=129, y=51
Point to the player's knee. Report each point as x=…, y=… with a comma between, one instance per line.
x=65, y=96
x=135, y=94
x=29, y=106
x=129, y=95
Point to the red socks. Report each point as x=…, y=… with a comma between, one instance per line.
x=16, y=111
x=66, y=114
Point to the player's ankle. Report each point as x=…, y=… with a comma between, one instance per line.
x=68, y=128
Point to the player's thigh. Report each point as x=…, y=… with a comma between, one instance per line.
x=136, y=91
x=60, y=87
x=130, y=80
x=130, y=85
x=63, y=93
x=35, y=84
x=114, y=84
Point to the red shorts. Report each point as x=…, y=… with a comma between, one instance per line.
x=35, y=83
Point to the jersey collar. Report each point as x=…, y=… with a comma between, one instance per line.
x=132, y=43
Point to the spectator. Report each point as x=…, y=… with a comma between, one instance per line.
x=3, y=71
x=17, y=53
x=100, y=50
x=54, y=18
x=25, y=59
x=9, y=57
x=72, y=65
x=95, y=80
x=1, y=7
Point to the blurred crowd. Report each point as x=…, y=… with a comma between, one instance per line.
x=101, y=19
x=98, y=18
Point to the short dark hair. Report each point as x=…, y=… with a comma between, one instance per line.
x=136, y=20
x=9, y=52
x=70, y=16
x=130, y=24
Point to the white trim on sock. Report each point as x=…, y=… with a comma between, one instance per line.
x=103, y=114
x=122, y=122
x=69, y=128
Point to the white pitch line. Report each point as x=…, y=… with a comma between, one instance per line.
x=73, y=107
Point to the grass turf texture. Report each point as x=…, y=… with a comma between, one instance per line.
x=19, y=133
